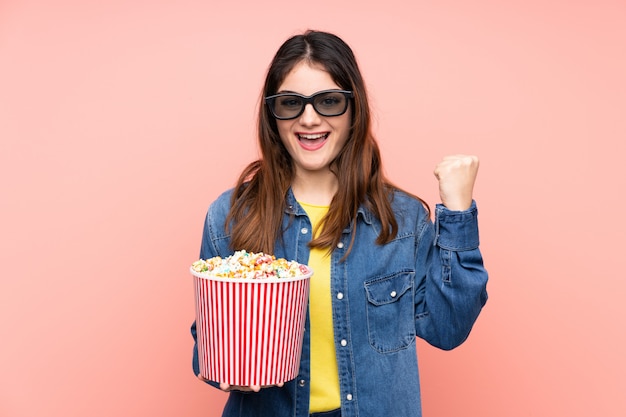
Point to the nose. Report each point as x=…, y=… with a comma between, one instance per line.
x=309, y=116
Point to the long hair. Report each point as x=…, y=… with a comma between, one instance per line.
x=258, y=201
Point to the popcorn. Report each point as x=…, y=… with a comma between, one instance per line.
x=250, y=265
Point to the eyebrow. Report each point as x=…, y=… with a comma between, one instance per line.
x=300, y=94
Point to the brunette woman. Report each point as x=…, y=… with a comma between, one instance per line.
x=385, y=273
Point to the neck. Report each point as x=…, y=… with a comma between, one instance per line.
x=317, y=188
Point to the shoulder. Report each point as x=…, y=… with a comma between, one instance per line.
x=224, y=198
x=219, y=208
x=402, y=200
x=410, y=212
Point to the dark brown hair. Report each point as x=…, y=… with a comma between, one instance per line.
x=258, y=201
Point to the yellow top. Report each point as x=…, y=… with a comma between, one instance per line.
x=325, y=394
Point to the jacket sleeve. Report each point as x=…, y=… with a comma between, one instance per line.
x=451, y=281
x=207, y=250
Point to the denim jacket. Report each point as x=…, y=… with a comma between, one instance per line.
x=429, y=282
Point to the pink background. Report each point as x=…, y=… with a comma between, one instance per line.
x=120, y=121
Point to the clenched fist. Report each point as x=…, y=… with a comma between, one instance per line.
x=456, y=175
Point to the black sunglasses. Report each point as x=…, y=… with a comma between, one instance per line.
x=328, y=103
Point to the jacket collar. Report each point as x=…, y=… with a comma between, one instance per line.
x=293, y=208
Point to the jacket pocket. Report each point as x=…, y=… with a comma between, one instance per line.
x=390, y=306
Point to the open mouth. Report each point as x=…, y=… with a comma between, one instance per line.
x=312, y=141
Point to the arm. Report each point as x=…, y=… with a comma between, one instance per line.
x=452, y=279
x=207, y=250
x=215, y=243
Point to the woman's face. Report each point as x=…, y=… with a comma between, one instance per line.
x=312, y=140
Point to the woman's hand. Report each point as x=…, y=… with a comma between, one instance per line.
x=253, y=388
x=456, y=175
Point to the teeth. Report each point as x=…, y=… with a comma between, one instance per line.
x=312, y=137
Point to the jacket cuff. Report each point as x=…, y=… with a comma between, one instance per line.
x=456, y=230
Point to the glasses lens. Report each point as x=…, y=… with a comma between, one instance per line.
x=287, y=106
x=330, y=104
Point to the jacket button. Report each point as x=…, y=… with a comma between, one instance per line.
x=343, y=342
x=302, y=382
x=393, y=293
x=340, y=245
x=349, y=397
x=304, y=230
x=339, y=296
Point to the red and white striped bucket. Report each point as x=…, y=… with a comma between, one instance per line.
x=250, y=331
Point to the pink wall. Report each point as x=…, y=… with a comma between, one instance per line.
x=121, y=120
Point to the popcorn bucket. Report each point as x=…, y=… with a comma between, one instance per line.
x=250, y=331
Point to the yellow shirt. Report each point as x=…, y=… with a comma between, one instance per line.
x=325, y=395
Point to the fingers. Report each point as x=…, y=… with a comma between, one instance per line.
x=252, y=388
x=226, y=387
x=451, y=163
x=456, y=175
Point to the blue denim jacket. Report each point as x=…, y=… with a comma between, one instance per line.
x=429, y=282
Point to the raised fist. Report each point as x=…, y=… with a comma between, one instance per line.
x=456, y=175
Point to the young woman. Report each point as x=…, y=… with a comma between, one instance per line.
x=384, y=272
